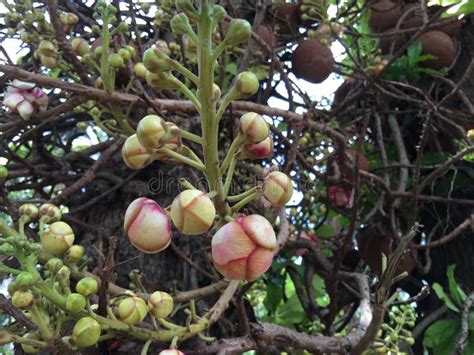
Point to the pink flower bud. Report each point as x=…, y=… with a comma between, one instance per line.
x=254, y=127
x=277, y=188
x=147, y=226
x=243, y=249
x=341, y=197
x=257, y=151
x=23, y=97
x=171, y=352
x=192, y=212
x=134, y=154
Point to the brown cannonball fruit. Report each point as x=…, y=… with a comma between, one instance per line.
x=398, y=40
x=440, y=46
x=287, y=18
x=266, y=34
x=312, y=61
x=384, y=14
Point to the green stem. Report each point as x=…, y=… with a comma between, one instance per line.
x=237, y=198
x=186, y=72
x=38, y=319
x=236, y=143
x=186, y=184
x=229, y=176
x=189, y=94
x=172, y=154
x=145, y=347
x=7, y=231
x=235, y=208
x=210, y=125
x=190, y=136
x=224, y=103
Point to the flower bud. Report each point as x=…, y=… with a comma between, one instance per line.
x=180, y=24
x=140, y=70
x=80, y=46
x=29, y=210
x=131, y=50
x=239, y=32
x=246, y=85
x=63, y=275
x=23, y=299
x=162, y=81
x=192, y=212
x=134, y=154
x=86, y=332
x=187, y=7
x=243, y=249
x=147, y=226
x=87, y=286
x=75, y=302
x=24, y=279
x=160, y=304
x=49, y=213
x=257, y=151
x=341, y=197
x=171, y=352
x=132, y=310
x=3, y=172
x=28, y=348
x=277, y=188
x=47, y=48
x=254, y=127
x=75, y=253
x=49, y=62
x=218, y=13
x=57, y=238
x=125, y=54
x=156, y=61
x=470, y=134
x=54, y=265
x=116, y=61
x=151, y=132
x=162, y=46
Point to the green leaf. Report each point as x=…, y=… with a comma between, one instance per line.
x=290, y=312
x=231, y=68
x=456, y=292
x=325, y=231
x=273, y=297
x=444, y=297
x=471, y=320
x=441, y=336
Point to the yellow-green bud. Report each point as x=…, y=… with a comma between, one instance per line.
x=278, y=188
x=86, y=332
x=140, y=70
x=187, y=7
x=87, y=286
x=80, y=46
x=49, y=62
x=29, y=210
x=156, y=61
x=131, y=49
x=47, y=48
x=470, y=134
x=180, y=24
x=125, y=54
x=116, y=61
x=98, y=51
x=254, y=127
x=239, y=32
x=3, y=172
x=49, y=213
x=193, y=212
x=246, y=85
x=151, y=132
x=57, y=238
x=75, y=253
x=54, y=265
x=134, y=154
x=75, y=302
x=64, y=273
x=162, y=81
x=218, y=13
x=132, y=310
x=23, y=299
x=12, y=288
x=24, y=279
x=160, y=304
x=28, y=348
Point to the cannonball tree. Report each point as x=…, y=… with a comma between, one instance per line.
x=207, y=177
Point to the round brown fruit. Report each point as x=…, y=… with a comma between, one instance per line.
x=312, y=61
x=440, y=46
x=385, y=14
x=287, y=18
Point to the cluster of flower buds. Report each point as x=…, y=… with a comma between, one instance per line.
x=47, y=54
x=258, y=143
x=153, y=136
x=243, y=249
x=147, y=226
x=118, y=60
x=25, y=98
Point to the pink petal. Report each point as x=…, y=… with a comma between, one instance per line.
x=12, y=100
x=25, y=109
x=23, y=85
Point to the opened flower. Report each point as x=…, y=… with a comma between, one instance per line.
x=25, y=98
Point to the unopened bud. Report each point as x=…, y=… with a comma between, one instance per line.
x=134, y=154
x=239, y=32
x=180, y=24
x=49, y=213
x=23, y=299
x=87, y=286
x=116, y=61
x=151, y=132
x=277, y=188
x=29, y=210
x=162, y=81
x=57, y=238
x=86, y=332
x=132, y=310
x=140, y=70
x=160, y=304
x=80, y=46
x=192, y=212
x=75, y=253
x=246, y=85
x=156, y=61
x=75, y=302
x=254, y=127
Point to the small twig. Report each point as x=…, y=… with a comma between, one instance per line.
x=462, y=341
